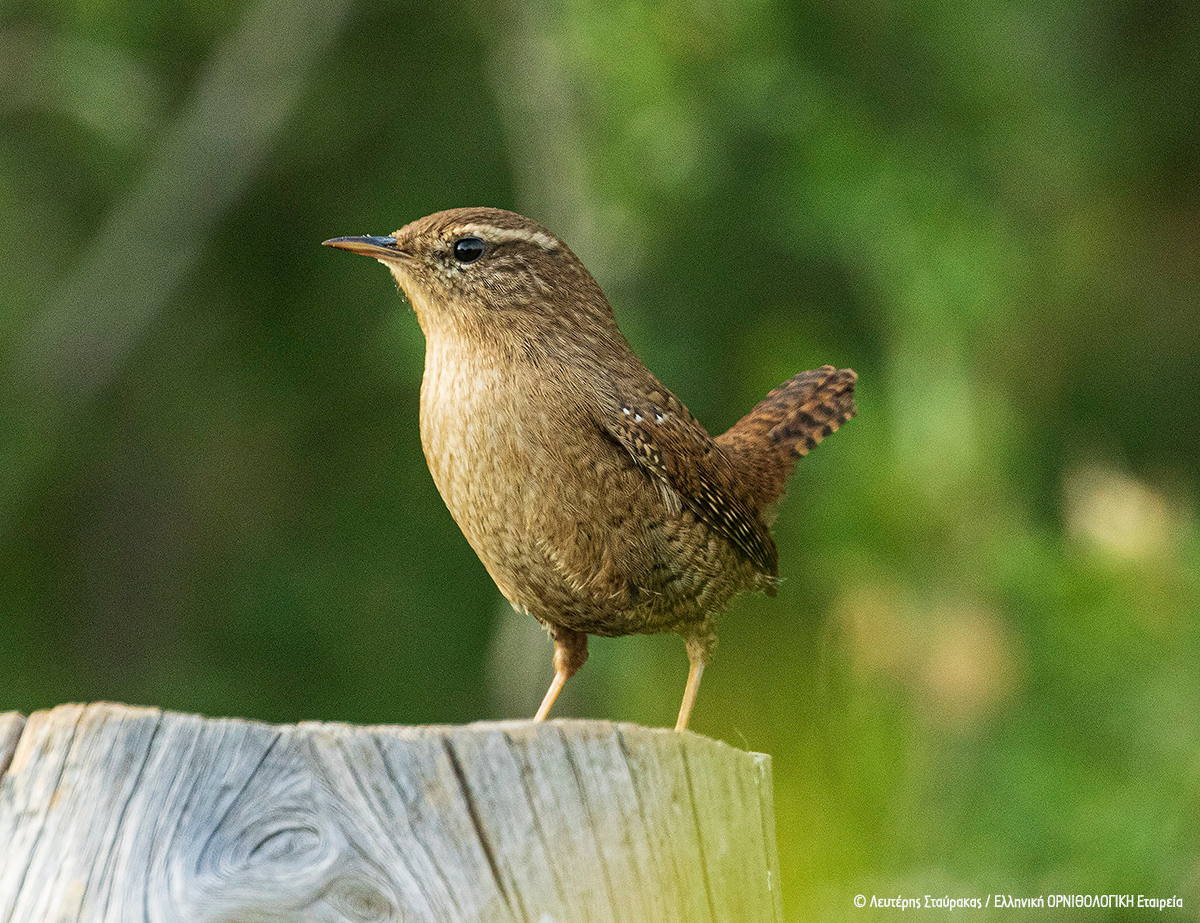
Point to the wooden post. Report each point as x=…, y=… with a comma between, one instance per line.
x=134, y=815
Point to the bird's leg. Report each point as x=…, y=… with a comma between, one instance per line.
x=695, y=671
x=700, y=646
x=570, y=652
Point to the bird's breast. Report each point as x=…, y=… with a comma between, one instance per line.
x=529, y=480
x=479, y=431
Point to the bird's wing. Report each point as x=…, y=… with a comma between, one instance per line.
x=675, y=450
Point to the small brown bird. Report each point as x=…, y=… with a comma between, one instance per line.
x=595, y=500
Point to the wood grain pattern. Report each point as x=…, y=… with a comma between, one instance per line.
x=113, y=813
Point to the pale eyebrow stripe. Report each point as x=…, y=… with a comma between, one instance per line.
x=507, y=235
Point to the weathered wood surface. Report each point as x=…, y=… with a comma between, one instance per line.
x=112, y=813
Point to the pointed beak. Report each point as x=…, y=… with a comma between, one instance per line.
x=382, y=248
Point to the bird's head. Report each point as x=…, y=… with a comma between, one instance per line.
x=485, y=271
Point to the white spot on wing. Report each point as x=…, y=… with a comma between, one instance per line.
x=671, y=499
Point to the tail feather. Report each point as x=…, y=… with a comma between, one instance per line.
x=788, y=423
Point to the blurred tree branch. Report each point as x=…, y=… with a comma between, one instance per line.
x=153, y=238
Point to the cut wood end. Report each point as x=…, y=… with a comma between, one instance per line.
x=476, y=822
x=14, y=724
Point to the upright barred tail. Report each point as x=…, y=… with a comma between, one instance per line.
x=788, y=423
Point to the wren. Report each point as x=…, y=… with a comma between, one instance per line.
x=596, y=501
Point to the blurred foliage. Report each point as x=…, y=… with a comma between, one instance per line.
x=981, y=672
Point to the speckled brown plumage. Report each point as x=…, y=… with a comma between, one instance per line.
x=593, y=497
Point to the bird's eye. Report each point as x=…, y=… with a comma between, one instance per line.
x=468, y=249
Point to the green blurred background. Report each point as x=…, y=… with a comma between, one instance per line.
x=981, y=673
